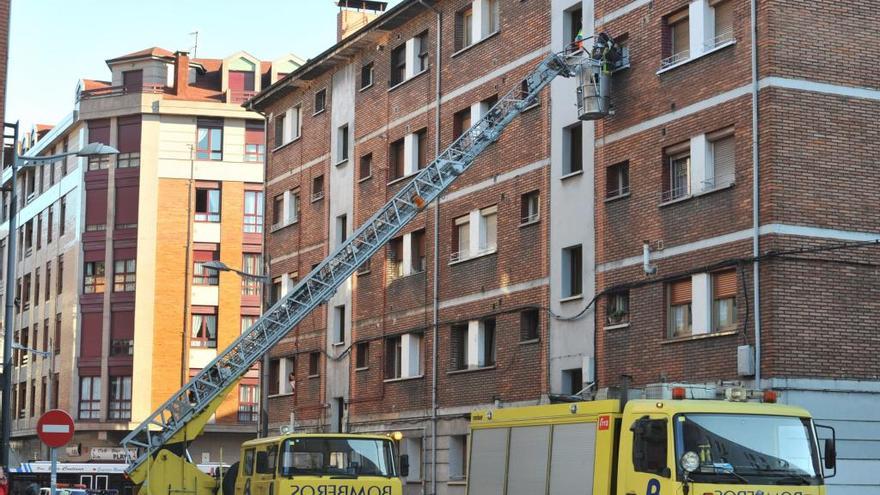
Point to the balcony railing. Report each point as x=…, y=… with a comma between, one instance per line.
x=675, y=58
x=121, y=90
x=239, y=95
x=717, y=41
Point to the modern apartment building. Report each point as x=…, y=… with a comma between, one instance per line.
x=452, y=315
x=109, y=271
x=747, y=171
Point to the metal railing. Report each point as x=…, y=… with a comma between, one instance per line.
x=239, y=95
x=121, y=90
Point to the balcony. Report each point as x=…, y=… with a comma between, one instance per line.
x=121, y=91
x=239, y=95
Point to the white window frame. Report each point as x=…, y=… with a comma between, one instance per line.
x=481, y=241
x=702, y=38
x=410, y=356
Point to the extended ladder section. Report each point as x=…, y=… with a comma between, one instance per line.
x=205, y=389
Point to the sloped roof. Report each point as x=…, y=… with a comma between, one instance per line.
x=154, y=51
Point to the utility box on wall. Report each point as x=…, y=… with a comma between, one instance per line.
x=745, y=360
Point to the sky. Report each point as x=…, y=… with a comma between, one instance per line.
x=54, y=43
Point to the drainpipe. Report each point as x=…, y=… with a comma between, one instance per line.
x=435, y=317
x=756, y=219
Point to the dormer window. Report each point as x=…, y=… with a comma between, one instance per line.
x=241, y=85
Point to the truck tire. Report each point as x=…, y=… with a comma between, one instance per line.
x=229, y=479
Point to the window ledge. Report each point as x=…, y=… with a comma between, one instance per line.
x=421, y=272
x=276, y=228
x=689, y=338
x=337, y=344
x=364, y=179
x=284, y=394
x=475, y=43
x=697, y=195
x=287, y=143
x=314, y=376
x=530, y=341
x=364, y=88
x=319, y=112
x=476, y=256
x=457, y=482
x=698, y=57
x=615, y=198
x=571, y=298
x=618, y=326
x=572, y=174
x=403, y=379
x=401, y=83
x=400, y=179
x=365, y=368
x=365, y=272
x=342, y=162
x=471, y=370
x=532, y=222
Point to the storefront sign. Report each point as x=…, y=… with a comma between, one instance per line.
x=109, y=454
x=72, y=450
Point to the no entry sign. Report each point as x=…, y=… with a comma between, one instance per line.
x=55, y=428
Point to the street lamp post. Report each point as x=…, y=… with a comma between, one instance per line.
x=91, y=149
x=264, y=368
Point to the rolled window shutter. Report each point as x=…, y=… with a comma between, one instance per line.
x=724, y=284
x=680, y=292
x=129, y=134
x=724, y=155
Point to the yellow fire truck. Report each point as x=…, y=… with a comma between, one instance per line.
x=650, y=447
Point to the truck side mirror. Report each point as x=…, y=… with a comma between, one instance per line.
x=830, y=454
x=404, y=466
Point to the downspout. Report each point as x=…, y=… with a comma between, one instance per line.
x=435, y=317
x=756, y=219
x=184, y=350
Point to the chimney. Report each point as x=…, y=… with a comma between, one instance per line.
x=181, y=73
x=355, y=14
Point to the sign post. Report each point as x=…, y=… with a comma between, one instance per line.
x=55, y=429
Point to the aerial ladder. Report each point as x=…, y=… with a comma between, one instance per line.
x=156, y=449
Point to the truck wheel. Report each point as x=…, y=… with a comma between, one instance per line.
x=229, y=480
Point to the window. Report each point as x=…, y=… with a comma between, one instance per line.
x=398, y=65
x=204, y=330
x=649, y=446
x=488, y=230
x=207, y=205
x=362, y=355
x=403, y=356
x=93, y=279
x=678, y=34
x=278, y=210
x=529, y=207
x=617, y=180
x=458, y=457
x=251, y=263
x=341, y=229
x=59, y=280
x=209, y=142
x=279, y=129
x=724, y=300
x=723, y=14
x=50, y=227
x=365, y=170
x=461, y=238
x=492, y=17
x=367, y=75
x=36, y=287
x=90, y=397
x=723, y=156
x=473, y=344
x=314, y=364
x=342, y=139
x=617, y=308
x=680, y=323
x=395, y=257
x=461, y=122
x=416, y=262
x=397, y=159
x=412, y=448
x=572, y=381
x=421, y=48
x=318, y=188
x=124, y=272
x=120, y=398
x=253, y=212
x=320, y=101
x=202, y=275
x=572, y=271
x=39, y=232
x=98, y=162
x=572, y=156
x=122, y=347
x=56, y=343
x=133, y=81
x=529, y=324
x=128, y=160
x=277, y=288
x=464, y=28
x=677, y=172
x=420, y=139
x=247, y=322
x=62, y=216
x=339, y=324
x=28, y=236
x=254, y=141
x=248, y=403
x=574, y=21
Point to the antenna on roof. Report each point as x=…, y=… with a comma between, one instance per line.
x=195, y=47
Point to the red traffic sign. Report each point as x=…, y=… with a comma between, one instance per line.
x=55, y=428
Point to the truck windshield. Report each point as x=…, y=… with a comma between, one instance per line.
x=743, y=448
x=343, y=457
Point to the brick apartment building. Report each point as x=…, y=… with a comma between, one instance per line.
x=452, y=315
x=110, y=251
